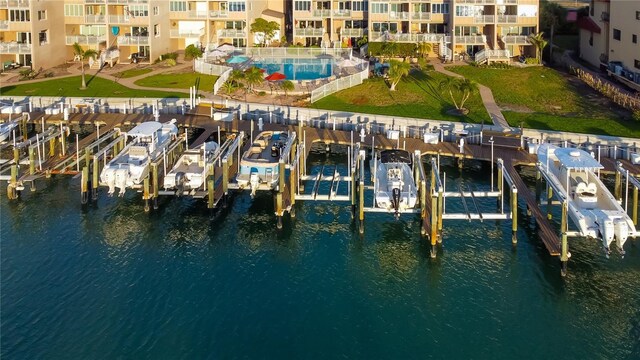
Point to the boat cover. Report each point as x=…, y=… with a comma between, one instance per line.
x=395, y=156
x=575, y=159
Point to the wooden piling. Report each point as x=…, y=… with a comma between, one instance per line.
x=210, y=186
x=32, y=160
x=514, y=215
x=564, y=225
x=155, y=184
x=96, y=181
x=538, y=186
x=145, y=194
x=84, y=185
x=423, y=206
x=440, y=213
x=634, y=209
x=225, y=180
x=549, y=201
x=617, y=191
x=434, y=227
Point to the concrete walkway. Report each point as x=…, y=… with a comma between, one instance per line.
x=487, y=98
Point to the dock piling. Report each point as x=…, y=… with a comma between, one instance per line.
x=549, y=201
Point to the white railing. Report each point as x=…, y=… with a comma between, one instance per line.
x=232, y=33
x=18, y=3
x=308, y=32
x=351, y=32
x=397, y=15
x=321, y=13
x=471, y=39
x=516, y=39
x=445, y=52
x=221, y=80
x=95, y=1
x=508, y=19
x=4, y=4
x=293, y=52
x=380, y=36
x=218, y=13
x=84, y=39
x=482, y=19
x=341, y=13
x=4, y=24
x=133, y=40
x=488, y=54
x=94, y=18
x=477, y=2
x=176, y=33
x=421, y=16
x=203, y=67
x=340, y=84
x=14, y=48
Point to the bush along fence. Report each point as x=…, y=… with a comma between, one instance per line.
x=612, y=92
x=341, y=83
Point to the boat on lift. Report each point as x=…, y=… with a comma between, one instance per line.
x=593, y=209
x=394, y=186
x=189, y=173
x=130, y=167
x=259, y=164
x=6, y=129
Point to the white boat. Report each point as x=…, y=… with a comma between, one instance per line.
x=394, y=188
x=259, y=164
x=591, y=206
x=189, y=173
x=6, y=129
x=131, y=166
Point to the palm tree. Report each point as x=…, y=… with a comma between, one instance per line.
x=458, y=86
x=229, y=87
x=389, y=49
x=397, y=70
x=253, y=77
x=540, y=43
x=423, y=48
x=236, y=76
x=466, y=87
x=450, y=84
x=286, y=86
x=83, y=55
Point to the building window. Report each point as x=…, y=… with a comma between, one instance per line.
x=237, y=6
x=178, y=6
x=440, y=8
x=42, y=37
x=591, y=40
x=359, y=6
x=137, y=10
x=617, y=34
x=634, y=38
x=636, y=64
x=20, y=15
x=73, y=10
x=156, y=30
x=379, y=8
x=637, y=15
x=42, y=14
x=302, y=5
x=156, y=10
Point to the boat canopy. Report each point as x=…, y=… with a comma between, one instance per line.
x=395, y=156
x=145, y=129
x=575, y=159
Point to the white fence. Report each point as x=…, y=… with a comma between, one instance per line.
x=221, y=80
x=293, y=52
x=203, y=67
x=341, y=84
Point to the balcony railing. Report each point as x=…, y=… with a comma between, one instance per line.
x=232, y=33
x=176, y=33
x=4, y=24
x=95, y=1
x=398, y=15
x=352, y=32
x=308, y=32
x=133, y=40
x=477, y=2
x=321, y=13
x=421, y=16
x=488, y=54
x=218, y=13
x=471, y=39
x=4, y=4
x=483, y=19
x=18, y=3
x=508, y=19
x=14, y=48
x=516, y=40
x=85, y=39
x=341, y=13
x=127, y=1
x=430, y=38
x=94, y=19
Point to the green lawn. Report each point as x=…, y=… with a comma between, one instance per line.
x=133, y=72
x=543, y=98
x=97, y=87
x=417, y=96
x=179, y=81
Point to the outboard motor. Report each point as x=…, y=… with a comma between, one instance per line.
x=179, y=183
x=395, y=197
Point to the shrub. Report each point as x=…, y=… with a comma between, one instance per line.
x=27, y=74
x=636, y=115
x=48, y=74
x=531, y=61
x=171, y=62
x=262, y=93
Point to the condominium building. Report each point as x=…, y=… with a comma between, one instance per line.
x=609, y=38
x=328, y=23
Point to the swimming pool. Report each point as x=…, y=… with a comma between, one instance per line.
x=298, y=69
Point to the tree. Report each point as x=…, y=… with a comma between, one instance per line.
x=266, y=28
x=423, y=48
x=397, y=70
x=192, y=52
x=237, y=77
x=229, y=87
x=540, y=43
x=253, y=77
x=362, y=41
x=389, y=49
x=458, y=88
x=83, y=55
x=286, y=86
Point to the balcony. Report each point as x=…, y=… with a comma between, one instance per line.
x=14, y=48
x=478, y=2
x=4, y=24
x=176, y=33
x=218, y=13
x=386, y=36
x=95, y=19
x=95, y=1
x=470, y=39
x=133, y=40
x=484, y=19
x=507, y=19
x=321, y=13
x=84, y=39
x=18, y=3
x=4, y=4
x=310, y=32
x=421, y=16
x=342, y=13
x=232, y=33
x=516, y=40
x=398, y=15
x=124, y=2
x=352, y=32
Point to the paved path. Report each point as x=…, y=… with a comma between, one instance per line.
x=487, y=98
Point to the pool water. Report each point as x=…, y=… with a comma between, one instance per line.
x=298, y=69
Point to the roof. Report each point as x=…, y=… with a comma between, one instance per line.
x=588, y=24
x=273, y=13
x=145, y=129
x=574, y=159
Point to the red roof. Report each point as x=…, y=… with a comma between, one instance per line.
x=588, y=24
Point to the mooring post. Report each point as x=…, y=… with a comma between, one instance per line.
x=514, y=214
x=538, y=186
x=225, y=181
x=210, y=186
x=440, y=208
x=145, y=194
x=84, y=185
x=564, y=255
x=500, y=186
x=618, y=186
x=423, y=206
x=279, y=201
x=434, y=224
x=12, y=193
x=95, y=182
x=361, y=191
x=154, y=174
x=634, y=209
x=353, y=171
x=292, y=184
x=549, y=201
x=32, y=161
x=52, y=147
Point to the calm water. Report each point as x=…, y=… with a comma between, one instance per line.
x=298, y=69
x=109, y=281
